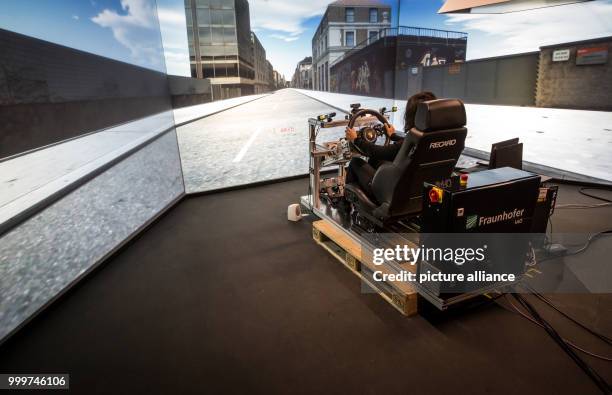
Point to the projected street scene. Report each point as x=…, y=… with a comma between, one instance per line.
x=225, y=53
x=382, y=53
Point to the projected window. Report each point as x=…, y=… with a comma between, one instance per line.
x=229, y=34
x=228, y=17
x=349, y=39
x=373, y=15
x=350, y=15
x=372, y=36
x=203, y=15
x=217, y=17
x=204, y=35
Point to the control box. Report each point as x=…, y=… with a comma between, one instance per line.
x=489, y=211
x=499, y=200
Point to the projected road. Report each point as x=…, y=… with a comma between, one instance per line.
x=261, y=140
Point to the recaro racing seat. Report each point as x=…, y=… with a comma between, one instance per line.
x=429, y=153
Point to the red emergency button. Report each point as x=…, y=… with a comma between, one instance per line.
x=463, y=179
x=435, y=195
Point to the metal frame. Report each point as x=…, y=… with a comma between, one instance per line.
x=320, y=158
x=323, y=156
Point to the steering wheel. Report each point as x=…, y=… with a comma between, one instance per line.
x=369, y=133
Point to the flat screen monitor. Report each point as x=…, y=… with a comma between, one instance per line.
x=507, y=153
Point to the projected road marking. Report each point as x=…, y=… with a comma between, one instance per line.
x=246, y=147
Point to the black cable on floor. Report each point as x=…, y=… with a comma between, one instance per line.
x=588, y=242
x=584, y=247
x=584, y=186
x=544, y=299
x=593, y=375
x=516, y=310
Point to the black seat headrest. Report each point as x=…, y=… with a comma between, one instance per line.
x=440, y=114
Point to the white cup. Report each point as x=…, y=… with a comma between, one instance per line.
x=294, y=212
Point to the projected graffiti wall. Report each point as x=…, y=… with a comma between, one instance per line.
x=370, y=69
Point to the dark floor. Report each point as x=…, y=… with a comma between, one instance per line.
x=224, y=295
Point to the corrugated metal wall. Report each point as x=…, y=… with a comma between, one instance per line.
x=504, y=80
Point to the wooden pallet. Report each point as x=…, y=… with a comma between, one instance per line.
x=345, y=249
